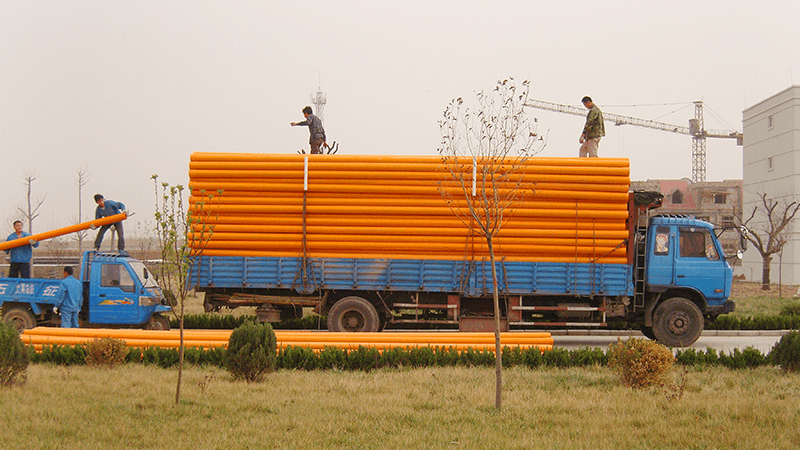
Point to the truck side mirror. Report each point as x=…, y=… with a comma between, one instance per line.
x=146, y=275
x=743, y=232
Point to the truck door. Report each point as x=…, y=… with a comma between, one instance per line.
x=661, y=262
x=114, y=298
x=698, y=263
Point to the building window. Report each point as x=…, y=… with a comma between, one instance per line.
x=770, y=166
x=727, y=222
x=770, y=122
x=677, y=198
x=719, y=198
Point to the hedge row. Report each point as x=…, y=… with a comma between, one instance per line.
x=366, y=359
x=229, y=322
x=313, y=322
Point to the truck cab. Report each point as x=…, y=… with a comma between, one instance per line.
x=687, y=278
x=118, y=291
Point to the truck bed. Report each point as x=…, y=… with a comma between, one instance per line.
x=470, y=279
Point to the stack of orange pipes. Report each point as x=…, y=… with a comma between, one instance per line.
x=391, y=207
x=316, y=340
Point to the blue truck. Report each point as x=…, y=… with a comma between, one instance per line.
x=676, y=278
x=118, y=291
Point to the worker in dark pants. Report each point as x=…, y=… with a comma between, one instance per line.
x=20, y=257
x=107, y=208
x=316, y=138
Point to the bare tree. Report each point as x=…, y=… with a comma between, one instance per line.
x=484, y=151
x=57, y=249
x=81, y=179
x=769, y=236
x=33, y=204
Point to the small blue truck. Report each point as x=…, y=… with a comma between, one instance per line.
x=118, y=291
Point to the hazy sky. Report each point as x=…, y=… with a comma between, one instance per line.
x=127, y=89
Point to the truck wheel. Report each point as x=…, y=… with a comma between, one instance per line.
x=353, y=314
x=647, y=332
x=157, y=322
x=677, y=322
x=20, y=318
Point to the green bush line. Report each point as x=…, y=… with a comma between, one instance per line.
x=787, y=320
x=367, y=358
x=229, y=322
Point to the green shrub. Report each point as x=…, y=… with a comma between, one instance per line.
x=363, y=358
x=331, y=358
x=302, y=358
x=791, y=310
x=557, y=357
x=252, y=352
x=65, y=355
x=588, y=357
x=106, y=352
x=532, y=358
x=743, y=359
x=786, y=353
x=14, y=357
x=640, y=362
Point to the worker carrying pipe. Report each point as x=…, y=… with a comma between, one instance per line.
x=62, y=231
x=107, y=208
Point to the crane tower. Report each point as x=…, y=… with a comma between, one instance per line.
x=696, y=129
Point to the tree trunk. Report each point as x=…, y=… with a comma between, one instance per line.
x=767, y=262
x=180, y=355
x=498, y=354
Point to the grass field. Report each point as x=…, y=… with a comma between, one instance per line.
x=752, y=301
x=133, y=407
x=577, y=408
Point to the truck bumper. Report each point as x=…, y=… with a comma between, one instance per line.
x=727, y=307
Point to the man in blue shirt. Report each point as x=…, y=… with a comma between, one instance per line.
x=20, y=258
x=107, y=208
x=70, y=298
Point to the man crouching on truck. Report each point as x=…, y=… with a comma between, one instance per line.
x=107, y=208
x=70, y=298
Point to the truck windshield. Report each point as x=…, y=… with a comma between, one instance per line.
x=697, y=243
x=139, y=269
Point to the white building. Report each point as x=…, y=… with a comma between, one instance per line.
x=772, y=166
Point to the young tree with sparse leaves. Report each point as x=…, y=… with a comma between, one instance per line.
x=182, y=237
x=484, y=150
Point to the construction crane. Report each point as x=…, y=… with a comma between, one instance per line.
x=696, y=130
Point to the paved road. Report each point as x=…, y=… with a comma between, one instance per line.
x=724, y=341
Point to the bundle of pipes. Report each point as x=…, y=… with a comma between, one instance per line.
x=392, y=207
x=316, y=340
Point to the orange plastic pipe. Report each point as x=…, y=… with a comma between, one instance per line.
x=62, y=231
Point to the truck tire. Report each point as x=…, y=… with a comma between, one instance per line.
x=677, y=322
x=157, y=322
x=20, y=318
x=647, y=332
x=353, y=314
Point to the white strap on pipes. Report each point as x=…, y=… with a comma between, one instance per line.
x=474, y=176
x=305, y=174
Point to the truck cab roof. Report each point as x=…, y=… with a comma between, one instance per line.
x=689, y=221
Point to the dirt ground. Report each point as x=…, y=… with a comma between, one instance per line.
x=745, y=289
